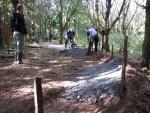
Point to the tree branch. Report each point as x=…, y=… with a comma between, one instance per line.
x=71, y=14
x=121, y=9
x=131, y=19
x=143, y=6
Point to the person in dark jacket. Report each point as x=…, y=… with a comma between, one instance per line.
x=19, y=30
x=69, y=36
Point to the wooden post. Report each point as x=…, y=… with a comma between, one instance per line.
x=112, y=51
x=102, y=43
x=38, y=97
x=125, y=57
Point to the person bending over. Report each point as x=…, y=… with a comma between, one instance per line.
x=92, y=35
x=69, y=36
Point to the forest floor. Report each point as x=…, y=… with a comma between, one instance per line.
x=59, y=69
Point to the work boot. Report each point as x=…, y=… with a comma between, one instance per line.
x=88, y=53
x=66, y=42
x=16, y=56
x=20, y=57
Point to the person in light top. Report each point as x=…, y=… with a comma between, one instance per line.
x=93, y=38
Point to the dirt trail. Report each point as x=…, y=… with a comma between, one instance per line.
x=56, y=68
x=60, y=69
x=95, y=81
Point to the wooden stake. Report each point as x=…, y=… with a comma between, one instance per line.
x=38, y=97
x=112, y=51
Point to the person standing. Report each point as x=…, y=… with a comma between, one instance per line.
x=19, y=30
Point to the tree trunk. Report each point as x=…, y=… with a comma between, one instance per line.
x=146, y=43
x=125, y=56
x=45, y=30
x=50, y=31
x=102, y=43
x=5, y=24
x=40, y=34
x=1, y=38
x=61, y=37
x=61, y=23
x=106, y=42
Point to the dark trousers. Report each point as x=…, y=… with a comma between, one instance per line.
x=71, y=39
x=92, y=40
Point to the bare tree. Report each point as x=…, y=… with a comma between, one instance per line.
x=146, y=43
x=101, y=16
x=126, y=22
x=64, y=22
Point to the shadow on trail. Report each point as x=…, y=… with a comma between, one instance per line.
x=77, y=53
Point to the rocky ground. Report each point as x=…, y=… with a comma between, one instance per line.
x=72, y=82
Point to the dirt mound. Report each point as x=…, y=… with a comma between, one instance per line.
x=96, y=82
x=137, y=97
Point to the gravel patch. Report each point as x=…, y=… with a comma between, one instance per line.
x=92, y=83
x=96, y=83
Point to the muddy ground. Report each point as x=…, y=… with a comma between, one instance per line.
x=56, y=68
